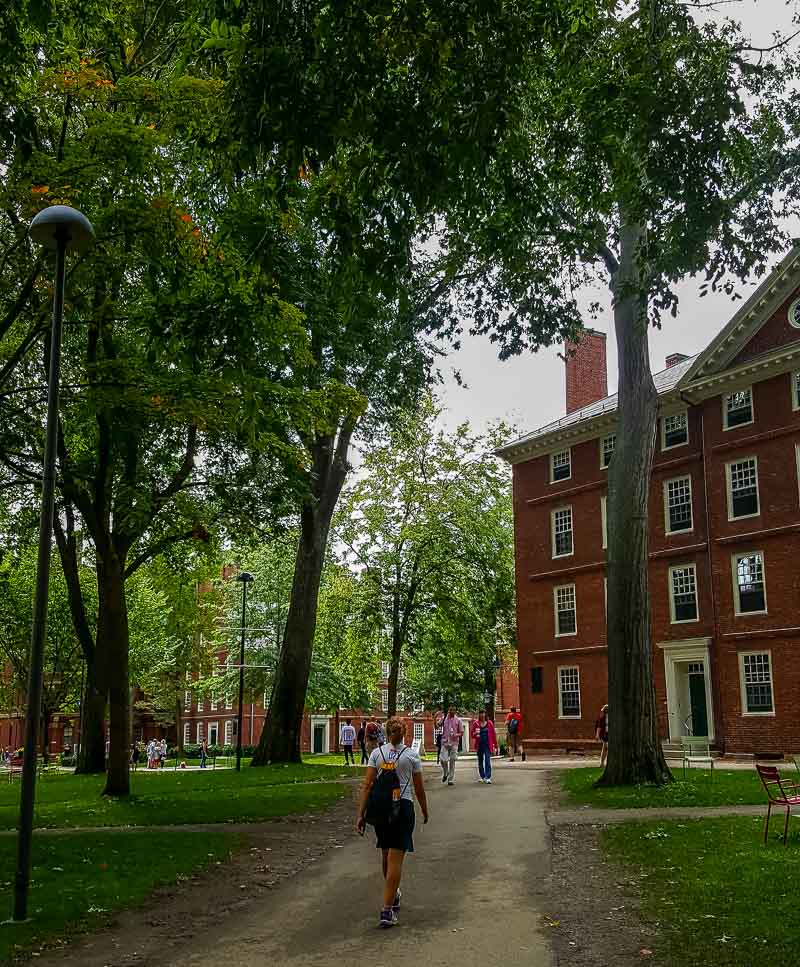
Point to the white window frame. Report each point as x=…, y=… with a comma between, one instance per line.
x=793, y=307
x=553, y=513
x=560, y=453
x=187, y=700
x=743, y=684
x=672, y=615
x=187, y=733
x=213, y=725
x=201, y=702
x=726, y=397
x=559, y=670
x=419, y=733
x=200, y=732
x=384, y=699
x=556, y=589
x=729, y=488
x=228, y=732
x=735, y=558
x=673, y=446
x=608, y=436
x=795, y=389
x=665, y=488
x=386, y=670
x=604, y=519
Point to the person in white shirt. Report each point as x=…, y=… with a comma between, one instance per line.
x=347, y=738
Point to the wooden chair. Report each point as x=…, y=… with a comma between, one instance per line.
x=781, y=793
x=696, y=751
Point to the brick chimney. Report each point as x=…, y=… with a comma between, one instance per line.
x=674, y=358
x=586, y=370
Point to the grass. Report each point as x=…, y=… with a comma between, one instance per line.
x=714, y=894
x=731, y=788
x=79, y=879
x=179, y=797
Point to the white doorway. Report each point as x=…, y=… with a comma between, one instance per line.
x=687, y=668
x=320, y=735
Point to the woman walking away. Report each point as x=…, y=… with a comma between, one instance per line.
x=203, y=754
x=601, y=733
x=484, y=738
x=394, y=776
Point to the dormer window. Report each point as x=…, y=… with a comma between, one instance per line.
x=737, y=408
x=560, y=466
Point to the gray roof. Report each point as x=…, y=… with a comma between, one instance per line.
x=665, y=381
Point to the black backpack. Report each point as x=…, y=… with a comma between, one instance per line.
x=383, y=803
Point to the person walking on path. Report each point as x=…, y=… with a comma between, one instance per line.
x=361, y=738
x=203, y=754
x=452, y=732
x=347, y=739
x=513, y=729
x=162, y=753
x=393, y=816
x=601, y=733
x=484, y=738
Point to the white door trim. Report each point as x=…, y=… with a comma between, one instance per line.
x=682, y=652
x=326, y=742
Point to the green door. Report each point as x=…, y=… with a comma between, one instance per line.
x=697, y=700
x=319, y=739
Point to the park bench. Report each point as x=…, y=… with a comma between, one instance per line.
x=780, y=793
x=696, y=751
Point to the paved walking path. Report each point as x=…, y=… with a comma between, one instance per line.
x=589, y=816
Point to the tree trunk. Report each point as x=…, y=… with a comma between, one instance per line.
x=635, y=754
x=397, y=648
x=280, y=740
x=47, y=717
x=112, y=643
x=92, y=754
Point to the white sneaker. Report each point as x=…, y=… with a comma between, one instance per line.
x=488, y=782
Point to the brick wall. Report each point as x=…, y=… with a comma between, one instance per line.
x=587, y=379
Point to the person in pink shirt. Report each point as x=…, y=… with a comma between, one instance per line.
x=484, y=738
x=452, y=731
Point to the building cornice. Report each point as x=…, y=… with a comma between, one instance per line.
x=775, y=363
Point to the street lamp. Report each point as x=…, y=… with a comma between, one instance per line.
x=246, y=578
x=59, y=228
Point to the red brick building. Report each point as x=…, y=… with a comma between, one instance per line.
x=724, y=539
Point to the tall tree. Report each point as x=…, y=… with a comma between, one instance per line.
x=664, y=150
x=429, y=522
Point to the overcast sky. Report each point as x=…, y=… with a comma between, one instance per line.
x=529, y=390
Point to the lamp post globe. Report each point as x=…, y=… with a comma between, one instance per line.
x=59, y=228
x=244, y=578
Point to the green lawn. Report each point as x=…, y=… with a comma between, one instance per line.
x=713, y=893
x=731, y=788
x=80, y=879
x=179, y=797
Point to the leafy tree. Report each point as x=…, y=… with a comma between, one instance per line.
x=172, y=410
x=430, y=524
x=663, y=150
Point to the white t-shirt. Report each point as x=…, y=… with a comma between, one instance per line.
x=347, y=736
x=406, y=765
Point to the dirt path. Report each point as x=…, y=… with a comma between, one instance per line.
x=307, y=894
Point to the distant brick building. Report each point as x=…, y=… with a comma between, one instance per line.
x=724, y=539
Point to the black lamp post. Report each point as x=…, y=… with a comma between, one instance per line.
x=246, y=578
x=59, y=228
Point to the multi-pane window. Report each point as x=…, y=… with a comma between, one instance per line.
x=683, y=592
x=385, y=699
x=201, y=702
x=678, y=504
x=757, y=683
x=187, y=700
x=419, y=733
x=743, y=488
x=200, y=732
x=569, y=693
x=796, y=390
x=187, y=733
x=562, y=532
x=607, y=445
x=560, y=466
x=385, y=670
x=738, y=408
x=674, y=430
x=749, y=587
x=566, y=618
x=229, y=732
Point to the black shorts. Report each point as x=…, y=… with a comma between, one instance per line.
x=399, y=834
